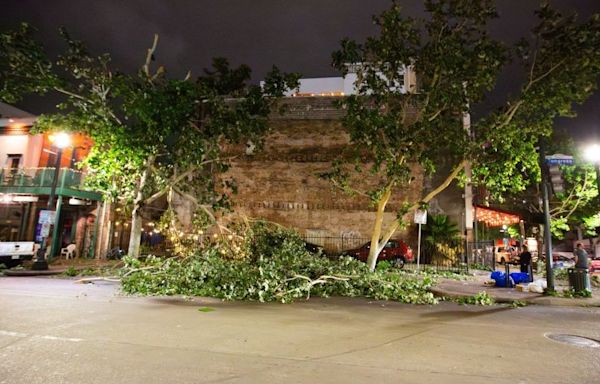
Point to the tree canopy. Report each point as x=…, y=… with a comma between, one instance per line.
x=153, y=134
x=396, y=125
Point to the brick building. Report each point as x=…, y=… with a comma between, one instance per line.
x=281, y=183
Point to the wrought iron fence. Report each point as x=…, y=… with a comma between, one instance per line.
x=481, y=254
x=334, y=246
x=40, y=177
x=438, y=257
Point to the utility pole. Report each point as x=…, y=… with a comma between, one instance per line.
x=547, y=233
x=466, y=120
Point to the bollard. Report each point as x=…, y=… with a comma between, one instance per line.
x=507, y=273
x=530, y=272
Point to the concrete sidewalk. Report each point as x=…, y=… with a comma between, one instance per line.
x=61, y=266
x=455, y=289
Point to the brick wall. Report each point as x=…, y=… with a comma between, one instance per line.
x=281, y=182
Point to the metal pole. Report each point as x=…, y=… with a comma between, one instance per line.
x=54, y=179
x=54, y=246
x=40, y=262
x=419, y=248
x=547, y=233
x=597, y=168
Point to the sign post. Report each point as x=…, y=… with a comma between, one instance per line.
x=420, y=218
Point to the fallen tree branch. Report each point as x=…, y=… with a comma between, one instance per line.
x=323, y=279
x=87, y=280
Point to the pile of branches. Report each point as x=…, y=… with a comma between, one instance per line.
x=277, y=267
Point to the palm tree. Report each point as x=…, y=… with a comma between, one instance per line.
x=440, y=236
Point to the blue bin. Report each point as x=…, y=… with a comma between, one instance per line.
x=520, y=277
x=500, y=278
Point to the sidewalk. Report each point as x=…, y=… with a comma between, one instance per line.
x=454, y=289
x=58, y=267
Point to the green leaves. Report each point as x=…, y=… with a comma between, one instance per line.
x=481, y=298
x=455, y=61
x=24, y=66
x=277, y=268
x=151, y=133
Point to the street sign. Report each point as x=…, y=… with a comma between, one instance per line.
x=559, y=159
x=47, y=217
x=421, y=216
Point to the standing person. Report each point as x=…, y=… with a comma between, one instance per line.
x=581, y=257
x=525, y=261
x=582, y=263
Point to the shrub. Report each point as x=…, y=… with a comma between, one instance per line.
x=277, y=268
x=482, y=298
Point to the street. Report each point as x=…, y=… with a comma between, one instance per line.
x=58, y=331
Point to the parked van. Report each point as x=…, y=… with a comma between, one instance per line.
x=505, y=254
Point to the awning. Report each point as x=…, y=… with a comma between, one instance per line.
x=496, y=218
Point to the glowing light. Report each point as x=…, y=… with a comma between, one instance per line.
x=60, y=139
x=592, y=153
x=495, y=218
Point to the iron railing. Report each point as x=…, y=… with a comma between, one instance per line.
x=455, y=257
x=41, y=177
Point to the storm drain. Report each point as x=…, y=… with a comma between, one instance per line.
x=578, y=341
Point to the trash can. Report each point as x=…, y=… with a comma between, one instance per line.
x=579, y=279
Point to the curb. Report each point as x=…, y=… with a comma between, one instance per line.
x=498, y=299
x=28, y=272
x=47, y=272
x=536, y=300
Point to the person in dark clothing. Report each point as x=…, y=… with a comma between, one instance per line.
x=525, y=260
x=581, y=257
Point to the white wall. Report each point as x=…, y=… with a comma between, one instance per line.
x=29, y=147
x=13, y=145
x=321, y=86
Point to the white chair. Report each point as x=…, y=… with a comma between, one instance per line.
x=69, y=251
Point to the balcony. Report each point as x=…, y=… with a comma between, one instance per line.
x=38, y=181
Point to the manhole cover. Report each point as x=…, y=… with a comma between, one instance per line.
x=578, y=341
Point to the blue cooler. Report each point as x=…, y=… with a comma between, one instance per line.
x=520, y=277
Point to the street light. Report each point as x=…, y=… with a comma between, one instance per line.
x=60, y=140
x=592, y=154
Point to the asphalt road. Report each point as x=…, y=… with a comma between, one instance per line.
x=56, y=331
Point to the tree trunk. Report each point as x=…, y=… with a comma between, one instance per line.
x=135, y=236
x=376, y=247
x=136, y=218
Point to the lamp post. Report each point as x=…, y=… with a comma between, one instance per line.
x=60, y=140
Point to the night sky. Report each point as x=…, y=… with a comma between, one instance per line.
x=296, y=36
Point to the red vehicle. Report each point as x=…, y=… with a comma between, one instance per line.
x=395, y=251
x=594, y=265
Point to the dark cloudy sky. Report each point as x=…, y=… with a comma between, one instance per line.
x=296, y=35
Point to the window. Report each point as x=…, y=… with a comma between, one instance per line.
x=13, y=161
